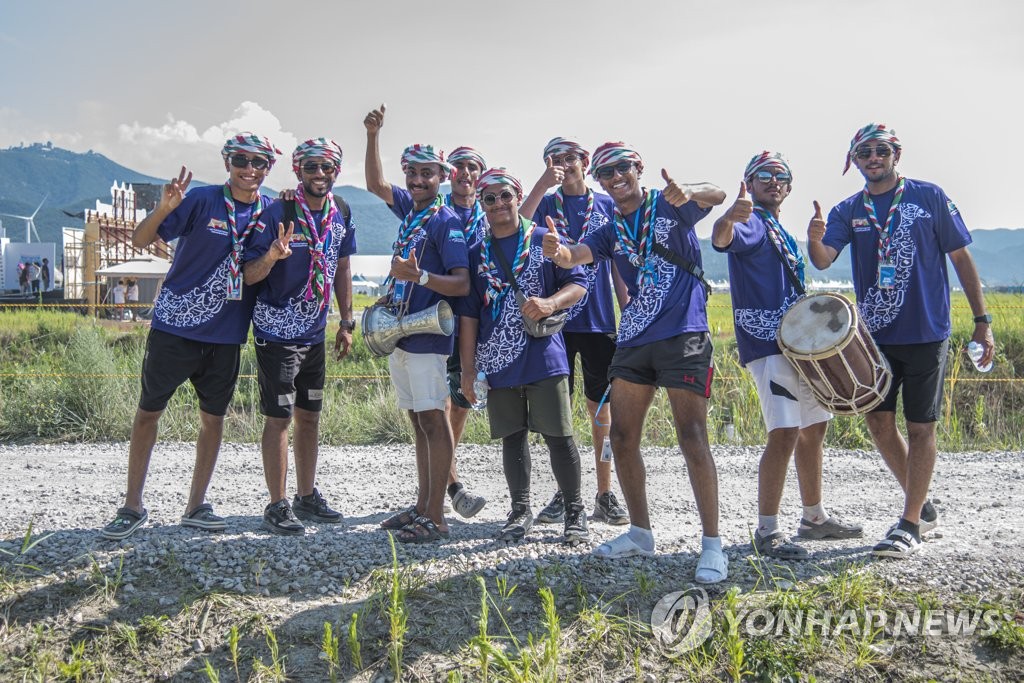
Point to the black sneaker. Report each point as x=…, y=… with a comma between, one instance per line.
x=608, y=510
x=313, y=508
x=553, y=512
x=520, y=520
x=576, y=530
x=279, y=518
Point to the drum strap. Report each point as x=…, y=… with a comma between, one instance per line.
x=691, y=268
x=793, y=279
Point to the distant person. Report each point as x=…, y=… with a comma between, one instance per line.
x=117, y=293
x=430, y=264
x=576, y=210
x=663, y=338
x=200, y=319
x=900, y=231
x=44, y=275
x=23, y=281
x=132, y=295
x=766, y=276
x=300, y=253
x=527, y=375
x=34, y=269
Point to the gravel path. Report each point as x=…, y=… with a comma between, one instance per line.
x=73, y=490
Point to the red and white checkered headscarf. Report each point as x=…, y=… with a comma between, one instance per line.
x=425, y=154
x=611, y=153
x=313, y=148
x=498, y=176
x=251, y=143
x=467, y=154
x=765, y=160
x=565, y=145
x=872, y=131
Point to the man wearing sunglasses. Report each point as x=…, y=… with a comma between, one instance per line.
x=900, y=231
x=589, y=333
x=299, y=251
x=527, y=374
x=663, y=338
x=430, y=264
x=766, y=277
x=200, y=318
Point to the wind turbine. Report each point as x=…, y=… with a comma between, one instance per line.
x=30, y=223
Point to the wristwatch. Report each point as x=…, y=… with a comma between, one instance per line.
x=349, y=325
x=424, y=276
x=987, y=318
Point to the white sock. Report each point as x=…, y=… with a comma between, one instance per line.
x=815, y=513
x=711, y=543
x=642, y=537
x=767, y=524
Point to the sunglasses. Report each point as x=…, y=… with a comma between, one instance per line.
x=565, y=159
x=241, y=161
x=767, y=176
x=491, y=199
x=312, y=167
x=881, y=151
x=606, y=172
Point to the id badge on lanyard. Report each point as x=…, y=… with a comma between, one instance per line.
x=234, y=280
x=886, y=275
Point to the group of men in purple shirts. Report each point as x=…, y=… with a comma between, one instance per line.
x=509, y=263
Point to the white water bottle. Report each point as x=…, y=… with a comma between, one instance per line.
x=606, y=450
x=975, y=351
x=480, y=388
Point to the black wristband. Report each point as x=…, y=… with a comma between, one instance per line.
x=349, y=325
x=987, y=318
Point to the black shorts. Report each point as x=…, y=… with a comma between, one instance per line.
x=680, y=362
x=170, y=360
x=290, y=375
x=595, y=350
x=920, y=369
x=455, y=380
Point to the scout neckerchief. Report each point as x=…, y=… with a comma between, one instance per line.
x=562, y=225
x=411, y=226
x=496, y=288
x=638, y=243
x=316, y=237
x=238, y=235
x=476, y=217
x=783, y=241
x=885, y=264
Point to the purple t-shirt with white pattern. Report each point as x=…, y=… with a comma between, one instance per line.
x=440, y=248
x=504, y=351
x=282, y=312
x=676, y=303
x=595, y=312
x=761, y=291
x=926, y=227
x=193, y=298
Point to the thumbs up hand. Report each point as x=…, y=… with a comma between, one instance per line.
x=674, y=193
x=553, y=175
x=552, y=243
x=741, y=209
x=374, y=121
x=816, y=228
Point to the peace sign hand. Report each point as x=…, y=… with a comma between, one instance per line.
x=174, y=191
x=281, y=247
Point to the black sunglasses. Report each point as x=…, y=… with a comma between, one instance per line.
x=491, y=199
x=241, y=161
x=767, y=176
x=606, y=172
x=312, y=166
x=881, y=151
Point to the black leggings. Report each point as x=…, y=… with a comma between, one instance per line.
x=565, y=463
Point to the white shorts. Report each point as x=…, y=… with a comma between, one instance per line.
x=420, y=379
x=786, y=399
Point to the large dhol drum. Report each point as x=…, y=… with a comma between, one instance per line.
x=828, y=344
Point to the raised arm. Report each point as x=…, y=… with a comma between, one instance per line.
x=821, y=254
x=174, y=192
x=552, y=177
x=564, y=255
x=739, y=212
x=705, y=194
x=375, y=180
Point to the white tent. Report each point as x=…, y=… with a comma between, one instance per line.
x=141, y=267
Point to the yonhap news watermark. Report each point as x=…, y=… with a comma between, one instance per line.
x=683, y=620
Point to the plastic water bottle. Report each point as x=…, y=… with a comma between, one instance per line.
x=606, y=450
x=480, y=388
x=975, y=351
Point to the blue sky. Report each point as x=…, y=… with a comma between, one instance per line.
x=697, y=88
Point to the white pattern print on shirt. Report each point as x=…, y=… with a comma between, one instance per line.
x=508, y=338
x=590, y=270
x=763, y=323
x=198, y=305
x=647, y=304
x=880, y=307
